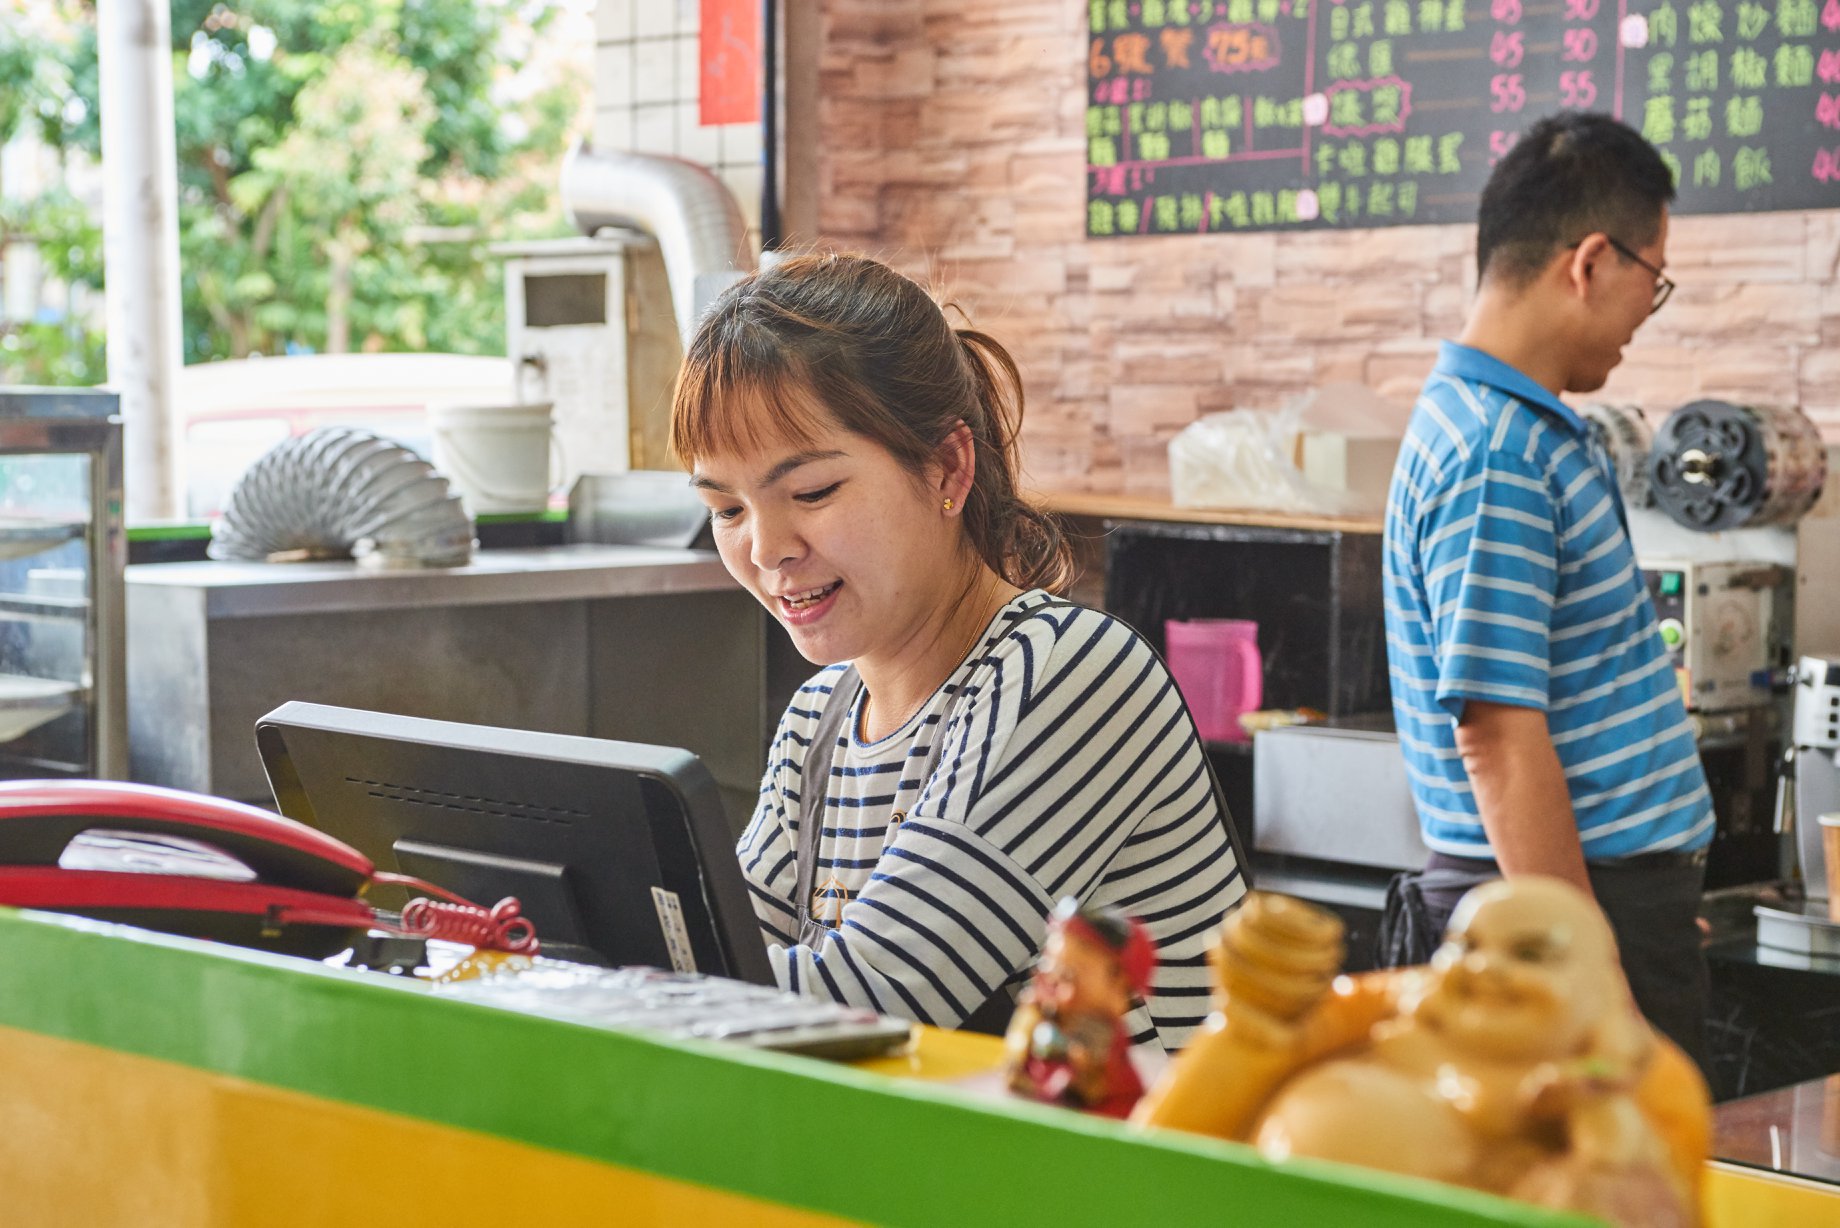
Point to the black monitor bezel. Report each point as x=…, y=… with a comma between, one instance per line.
x=691, y=851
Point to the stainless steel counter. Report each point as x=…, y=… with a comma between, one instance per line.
x=1336, y=792
x=555, y=573
x=640, y=643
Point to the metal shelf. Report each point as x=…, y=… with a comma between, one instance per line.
x=20, y=606
x=24, y=767
x=23, y=537
x=27, y=702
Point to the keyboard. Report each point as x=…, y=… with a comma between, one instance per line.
x=686, y=1005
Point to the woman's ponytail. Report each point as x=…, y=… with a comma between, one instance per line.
x=1018, y=540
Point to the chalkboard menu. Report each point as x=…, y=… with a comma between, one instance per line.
x=1229, y=115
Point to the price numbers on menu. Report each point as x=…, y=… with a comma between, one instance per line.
x=1578, y=48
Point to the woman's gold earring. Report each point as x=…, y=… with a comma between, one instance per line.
x=948, y=505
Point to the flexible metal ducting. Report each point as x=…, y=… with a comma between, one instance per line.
x=341, y=492
x=683, y=205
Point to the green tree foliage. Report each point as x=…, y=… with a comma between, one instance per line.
x=57, y=351
x=342, y=164
x=38, y=97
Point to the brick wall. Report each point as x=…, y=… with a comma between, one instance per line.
x=950, y=142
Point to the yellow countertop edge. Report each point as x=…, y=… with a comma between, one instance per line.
x=1735, y=1195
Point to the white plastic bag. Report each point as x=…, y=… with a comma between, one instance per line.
x=1342, y=435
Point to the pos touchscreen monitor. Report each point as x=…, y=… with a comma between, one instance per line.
x=619, y=853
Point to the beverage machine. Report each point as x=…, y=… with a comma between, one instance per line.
x=1738, y=539
x=1815, y=768
x=1811, y=794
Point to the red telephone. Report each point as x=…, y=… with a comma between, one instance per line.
x=256, y=879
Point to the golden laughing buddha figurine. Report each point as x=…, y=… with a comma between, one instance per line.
x=1515, y=1062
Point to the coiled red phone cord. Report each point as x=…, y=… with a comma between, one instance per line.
x=503, y=927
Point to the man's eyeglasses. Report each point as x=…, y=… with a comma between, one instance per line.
x=1664, y=285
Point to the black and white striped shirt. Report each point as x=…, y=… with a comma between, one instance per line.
x=1069, y=768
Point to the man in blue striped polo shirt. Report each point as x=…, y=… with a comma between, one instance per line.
x=1541, y=724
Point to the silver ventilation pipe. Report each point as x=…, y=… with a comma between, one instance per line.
x=683, y=205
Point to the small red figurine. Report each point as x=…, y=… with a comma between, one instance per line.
x=1067, y=1042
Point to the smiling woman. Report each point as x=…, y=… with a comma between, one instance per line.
x=974, y=749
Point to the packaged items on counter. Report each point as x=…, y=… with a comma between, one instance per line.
x=1329, y=451
x=1515, y=1062
x=1279, y=718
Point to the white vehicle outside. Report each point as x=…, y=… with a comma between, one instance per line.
x=234, y=411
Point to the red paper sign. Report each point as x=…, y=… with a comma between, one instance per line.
x=729, y=52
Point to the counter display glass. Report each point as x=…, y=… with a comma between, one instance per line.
x=62, y=706
x=1792, y=1130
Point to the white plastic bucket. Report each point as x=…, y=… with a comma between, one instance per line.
x=496, y=456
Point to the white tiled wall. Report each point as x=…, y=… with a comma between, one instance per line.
x=645, y=95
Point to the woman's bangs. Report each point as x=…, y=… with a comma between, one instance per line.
x=731, y=407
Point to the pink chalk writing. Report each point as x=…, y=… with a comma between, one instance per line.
x=1364, y=108
x=1121, y=90
x=1507, y=92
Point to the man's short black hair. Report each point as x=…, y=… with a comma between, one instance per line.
x=1570, y=175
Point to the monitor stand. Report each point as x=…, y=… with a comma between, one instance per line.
x=541, y=888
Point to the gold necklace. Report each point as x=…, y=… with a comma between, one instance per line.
x=862, y=717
